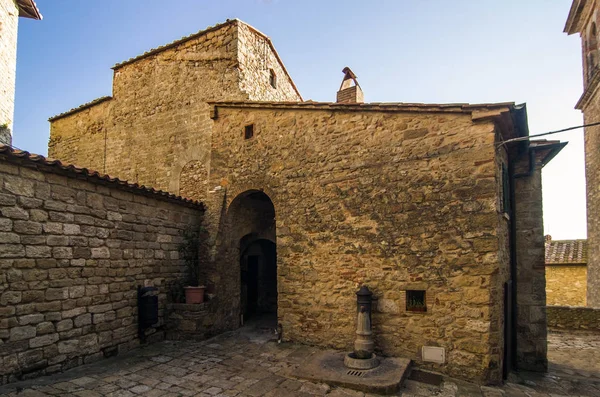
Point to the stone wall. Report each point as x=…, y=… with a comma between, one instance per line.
x=257, y=60
x=562, y=318
x=157, y=124
x=530, y=277
x=566, y=285
x=396, y=201
x=195, y=322
x=72, y=252
x=591, y=114
x=9, y=15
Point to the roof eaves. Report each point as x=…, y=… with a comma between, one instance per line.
x=572, y=23
x=373, y=106
x=28, y=9
x=80, y=108
x=69, y=170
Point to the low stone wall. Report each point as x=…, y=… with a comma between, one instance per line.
x=195, y=321
x=73, y=249
x=573, y=318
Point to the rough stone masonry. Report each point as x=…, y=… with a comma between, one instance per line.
x=73, y=249
x=416, y=201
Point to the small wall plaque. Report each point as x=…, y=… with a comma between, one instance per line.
x=433, y=354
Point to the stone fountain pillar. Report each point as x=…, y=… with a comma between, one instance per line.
x=363, y=357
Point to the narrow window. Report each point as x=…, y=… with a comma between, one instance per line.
x=272, y=78
x=249, y=131
x=415, y=301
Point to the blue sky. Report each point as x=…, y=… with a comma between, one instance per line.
x=402, y=51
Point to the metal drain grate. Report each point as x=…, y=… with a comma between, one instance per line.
x=355, y=373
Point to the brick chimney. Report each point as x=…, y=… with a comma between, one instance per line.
x=350, y=91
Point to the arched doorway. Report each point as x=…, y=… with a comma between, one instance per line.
x=252, y=238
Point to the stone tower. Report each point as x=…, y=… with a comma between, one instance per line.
x=155, y=129
x=584, y=18
x=10, y=11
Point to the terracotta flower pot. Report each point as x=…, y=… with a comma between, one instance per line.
x=194, y=294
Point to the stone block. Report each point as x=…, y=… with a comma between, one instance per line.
x=19, y=186
x=6, y=225
x=100, y=308
x=57, y=294
x=31, y=319
x=57, y=240
x=68, y=346
x=64, y=325
x=73, y=312
x=27, y=227
x=45, y=328
x=100, y=253
x=62, y=252
x=37, y=215
x=10, y=298
x=71, y=229
x=84, y=319
x=9, y=238
x=22, y=333
x=53, y=228
x=38, y=251
x=7, y=200
x=12, y=251
x=41, y=341
x=32, y=296
x=14, y=213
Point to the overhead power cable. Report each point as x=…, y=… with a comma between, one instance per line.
x=525, y=138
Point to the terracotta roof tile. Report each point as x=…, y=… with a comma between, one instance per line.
x=49, y=165
x=566, y=252
x=80, y=107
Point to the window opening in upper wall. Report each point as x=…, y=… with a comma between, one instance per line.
x=272, y=78
x=249, y=131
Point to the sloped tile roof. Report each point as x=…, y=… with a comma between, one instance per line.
x=55, y=166
x=566, y=252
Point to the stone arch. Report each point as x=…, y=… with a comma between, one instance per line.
x=250, y=255
x=193, y=181
x=183, y=159
x=239, y=190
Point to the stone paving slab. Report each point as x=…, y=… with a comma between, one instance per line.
x=248, y=362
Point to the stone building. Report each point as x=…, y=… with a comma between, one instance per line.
x=424, y=203
x=10, y=11
x=566, y=272
x=583, y=18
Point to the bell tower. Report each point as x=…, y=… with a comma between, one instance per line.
x=584, y=18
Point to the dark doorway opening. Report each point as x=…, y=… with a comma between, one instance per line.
x=258, y=264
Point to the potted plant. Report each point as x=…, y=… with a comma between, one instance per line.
x=194, y=292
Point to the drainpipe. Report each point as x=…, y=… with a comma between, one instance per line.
x=513, y=251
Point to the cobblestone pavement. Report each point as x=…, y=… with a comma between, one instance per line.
x=249, y=362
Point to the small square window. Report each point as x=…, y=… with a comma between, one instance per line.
x=272, y=78
x=249, y=131
x=415, y=301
